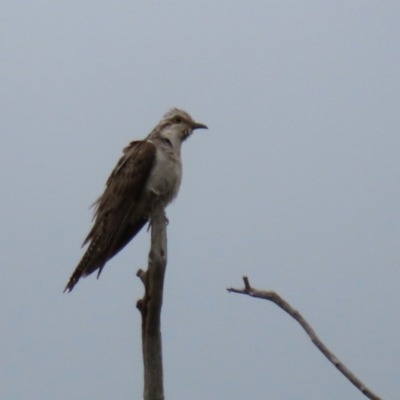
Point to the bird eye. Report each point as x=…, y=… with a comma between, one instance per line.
x=178, y=120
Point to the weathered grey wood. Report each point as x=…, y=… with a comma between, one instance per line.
x=275, y=298
x=150, y=308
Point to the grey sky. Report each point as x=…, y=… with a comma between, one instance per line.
x=296, y=184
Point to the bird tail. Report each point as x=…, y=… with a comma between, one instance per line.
x=89, y=263
x=99, y=252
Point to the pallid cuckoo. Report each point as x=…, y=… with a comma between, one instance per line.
x=148, y=175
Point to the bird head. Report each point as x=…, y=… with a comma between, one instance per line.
x=177, y=125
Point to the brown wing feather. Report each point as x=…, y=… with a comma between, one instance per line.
x=119, y=179
x=112, y=229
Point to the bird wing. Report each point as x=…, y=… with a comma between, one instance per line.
x=125, y=184
x=113, y=227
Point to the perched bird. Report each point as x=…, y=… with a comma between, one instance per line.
x=148, y=175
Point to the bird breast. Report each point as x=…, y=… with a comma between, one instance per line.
x=166, y=175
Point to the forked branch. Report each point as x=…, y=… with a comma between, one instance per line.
x=275, y=298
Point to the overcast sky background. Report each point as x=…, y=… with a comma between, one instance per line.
x=296, y=184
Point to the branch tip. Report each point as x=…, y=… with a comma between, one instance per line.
x=246, y=284
x=139, y=305
x=142, y=275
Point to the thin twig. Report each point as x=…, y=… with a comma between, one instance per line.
x=275, y=298
x=150, y=308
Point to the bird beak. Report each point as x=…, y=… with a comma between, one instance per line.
x=197, y=125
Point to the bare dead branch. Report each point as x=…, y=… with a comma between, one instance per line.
x=275, y=298
x=150, y=308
